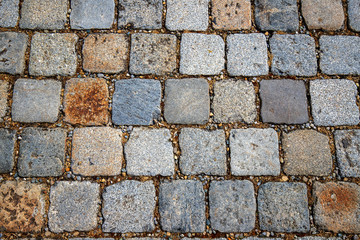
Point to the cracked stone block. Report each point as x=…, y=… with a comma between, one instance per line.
x=283, y=101
x=152, y=53
x=293, y=55
x=240, y=47
x=333, y=102
x=202, y=152
x=307, y=152
x=22, y=206
x=42, y=152
x=231, y=14
x=43, y=14
x=187, y=15
x=129, y=206
x=36, y=100
x=277, y=15
x=337, y=206
x=234, y=101
x=7, y=145
x=254, y=152
x=136, y=102
x=74, y=206
x=339, y=55
x=86, y=101
x=283, y=207
x=149, y=152
x=12, y=52
x=132, y=14
x=354, y=14
x=201, y=54
x=182, y=206
x=4, y=87
x=232, y=206
x=347, y=144
x=97, y=151
x=92, y=14
x=105, y=53
x=53, y=54
x=9, y=13
x=187, y=101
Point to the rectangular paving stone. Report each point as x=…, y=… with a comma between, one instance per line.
x=283, y=207
x=231, y=14
x=232, y=206
x=187, y=15
x=254, y=152
x=136, y=102
x=187, y=101
x=43, y=14
x=9, y=13
x=22, y=206
x=74, y=206
x=333, y=102
x=149, y=152
x=140, y=14
x=201, y=54
x=12, y=56
x=293, y=55
x=7, y=145
x=36, y=100
x=42, y=152
x=240, y=47
x=337, y=206
x=182, y=206
x=307, y=152
x=354, y=14
x=97, y=151
x=105, y=53
x=152, y=53
x=202, y=152
x=53, y=54
x=129, y=206
x=339, y=55
x=317, y=238
x=4, y=87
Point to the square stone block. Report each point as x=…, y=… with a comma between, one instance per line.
x=9, y=13
x=7, y=145
x=231, y=14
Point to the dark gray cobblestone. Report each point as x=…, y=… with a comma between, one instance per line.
x=7, y=145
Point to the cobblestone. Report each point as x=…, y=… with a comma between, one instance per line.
x=354, y=14
x=4, y=87
x=9, y=13
x=7, y=145
x=231, y=14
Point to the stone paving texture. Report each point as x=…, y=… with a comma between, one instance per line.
x=7, y=145
x=231, y=14
x=354, y=14
x=9, y=13
x=4, y=87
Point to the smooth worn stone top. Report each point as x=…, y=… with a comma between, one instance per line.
x=9, y=13
x=7, y=146
x=354, y=14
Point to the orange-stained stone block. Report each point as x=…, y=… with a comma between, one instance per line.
x=231, y=14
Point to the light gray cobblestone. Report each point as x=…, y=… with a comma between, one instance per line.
x=9, y=13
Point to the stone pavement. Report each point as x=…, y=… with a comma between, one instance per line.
x=180, y=119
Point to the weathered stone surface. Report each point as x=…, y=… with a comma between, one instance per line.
x=74, y=206
x=277, y=15
x=323, y=14
x=92, y=14
x=254, y=152
x=201, y=54
x=43, y=14
x=97, y=151
x=234, y=101
x=129, y=206
x=22, y=206
x=333, y=102
x=232, y=206
x=348, y=152
x=202, y=152
x=149, y=152
x=354, y=14
x=283, y=101
x=9, y=13
x=42, y=152
x=307, y=152
x=182, y=206
x=337, y=206
x=187, y=15
x=4, y=87
x=317, y=238
x=231, y=14
x=53, y=54
x=340, y=55
x=86, y=101
x=105, y=53
x=293, y=55
x=36, y=100
x=91, y=238
x=12, y=56
x=240, y=47
x=261, y=238
x=152, y=53
x=136, y=102
x=7, y=143
x=132, y=14
x=283, y=207
x=187, y=101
